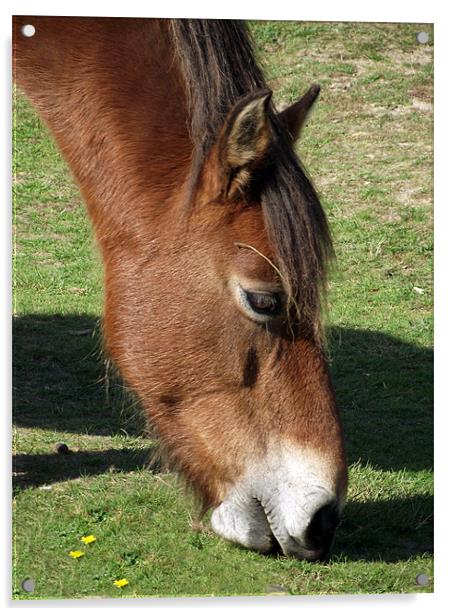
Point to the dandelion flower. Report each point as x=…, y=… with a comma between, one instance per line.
x=87, y=539
x=76, y=553
x=121, y=583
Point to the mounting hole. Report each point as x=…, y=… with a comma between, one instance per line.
x=28, y=585
x=422, y=579
x=422, y=37
x=28, y=30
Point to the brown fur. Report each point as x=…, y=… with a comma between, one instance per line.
x=120, y=103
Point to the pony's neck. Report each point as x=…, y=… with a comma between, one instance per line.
x=113, y=97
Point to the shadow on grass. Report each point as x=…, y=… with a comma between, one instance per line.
x=33, y=470
x=385, y=392
x=59, y=379
x=389, y=530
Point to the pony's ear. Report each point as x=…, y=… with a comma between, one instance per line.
x=245, y=141
x=294, y=117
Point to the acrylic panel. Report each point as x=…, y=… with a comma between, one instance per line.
x=223, y=322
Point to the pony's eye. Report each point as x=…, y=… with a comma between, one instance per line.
x=260, y=306
x=264, y=303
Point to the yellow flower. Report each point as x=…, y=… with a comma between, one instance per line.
x=121, y=583
x=88, y=539
x=76, y=553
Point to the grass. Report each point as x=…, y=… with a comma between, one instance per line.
x=369, y=148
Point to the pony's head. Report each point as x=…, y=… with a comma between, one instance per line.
x=232, y=367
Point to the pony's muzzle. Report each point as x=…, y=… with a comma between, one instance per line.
x=306, y=537
x=294, y=499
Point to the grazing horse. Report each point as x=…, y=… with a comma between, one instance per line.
x=215, y=250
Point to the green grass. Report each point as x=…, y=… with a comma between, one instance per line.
x=368, y=147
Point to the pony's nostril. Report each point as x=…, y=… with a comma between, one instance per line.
x=321, y=528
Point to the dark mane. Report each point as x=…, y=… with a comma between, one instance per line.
x=218, y=66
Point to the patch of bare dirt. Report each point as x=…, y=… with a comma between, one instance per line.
x=400, y=110
x=395, y=112
x=340, y=83
x=413, y=196
x=419, y=55
x=421, y=105
x=423, y=93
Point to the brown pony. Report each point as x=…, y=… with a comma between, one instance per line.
x=215, y=249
